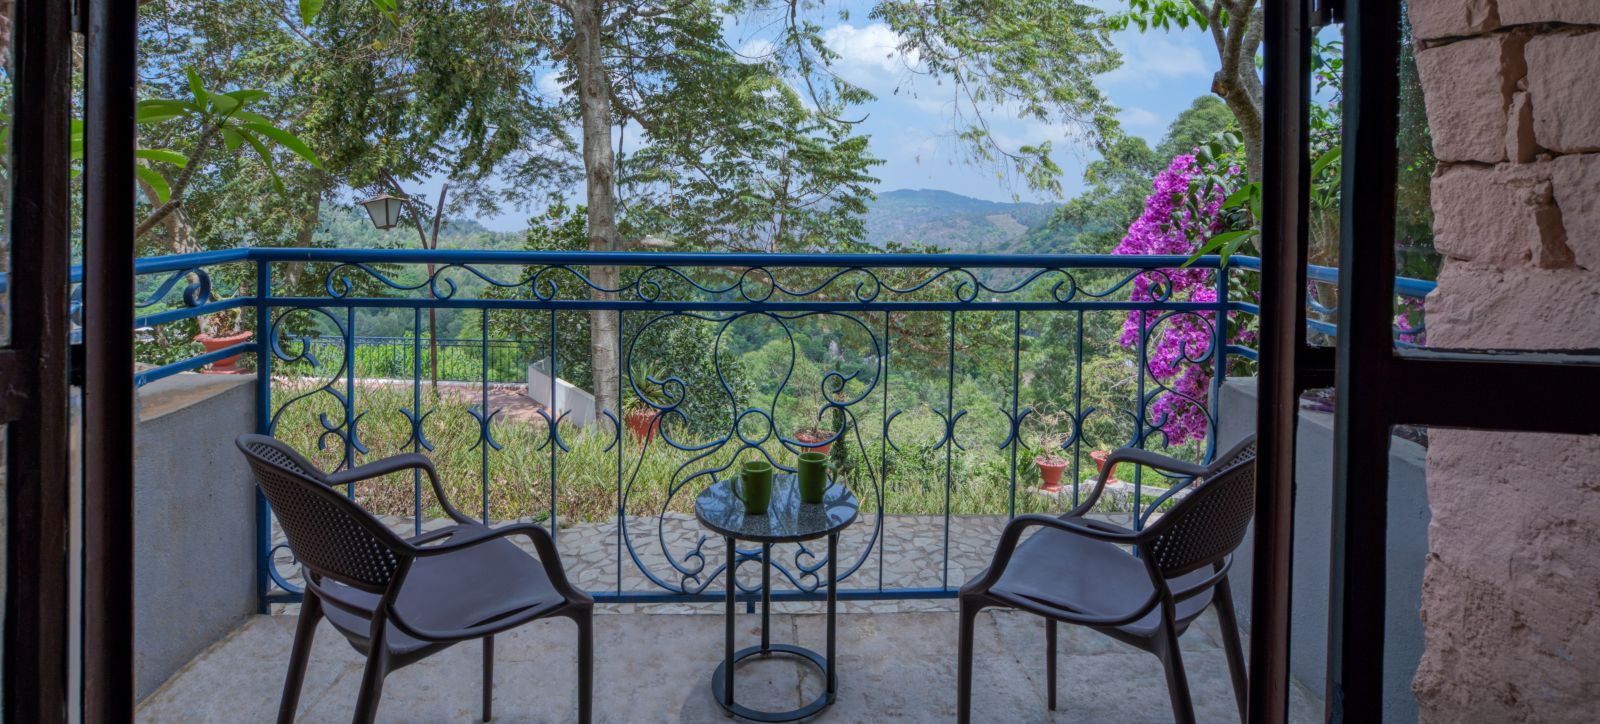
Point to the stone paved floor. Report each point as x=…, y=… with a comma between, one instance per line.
x=892, y=667
x=908, y=552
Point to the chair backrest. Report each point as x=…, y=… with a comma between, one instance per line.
x=1210, y=522
x=327, y=532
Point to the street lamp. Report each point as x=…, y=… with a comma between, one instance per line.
x=385, y=210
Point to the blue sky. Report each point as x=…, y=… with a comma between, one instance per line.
x=912, y=130
x=912, y=123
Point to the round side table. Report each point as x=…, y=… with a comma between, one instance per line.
x=787, y=520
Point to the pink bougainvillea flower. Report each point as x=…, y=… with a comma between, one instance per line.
x=1177, y=345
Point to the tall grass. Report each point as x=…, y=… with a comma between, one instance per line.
x=914, y=475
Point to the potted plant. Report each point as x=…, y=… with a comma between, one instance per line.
x=221, y=331
x=811, y=439
x=1052, y=465
x=814, y=437
x=643, y=415
x=1099, y=457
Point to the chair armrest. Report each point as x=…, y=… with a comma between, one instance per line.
x=395, y=464
x=1138, y=457
x=1013, y=534
x=549, y=557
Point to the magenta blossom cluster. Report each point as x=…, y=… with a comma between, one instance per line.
x=1178, y=345
x=1408, y=309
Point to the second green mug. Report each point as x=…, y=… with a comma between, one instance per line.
x=813, y=473
x=754, y=486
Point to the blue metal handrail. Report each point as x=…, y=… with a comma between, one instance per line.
x=862, y=293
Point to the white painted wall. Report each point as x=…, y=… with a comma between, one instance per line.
x=564, y=397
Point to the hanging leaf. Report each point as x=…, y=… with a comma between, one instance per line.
x=156, y=182
x=266, y=159
x=224, y=104
x=1240, y=197
x=156, y=110
x=249, y=117
x=197, y=88
x=309, y=10
x=1327, y=158
x=163, y=156
x=244, y=96
x=287, y=140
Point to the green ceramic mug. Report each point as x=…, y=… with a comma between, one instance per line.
x=813, y=473
x=754, y=486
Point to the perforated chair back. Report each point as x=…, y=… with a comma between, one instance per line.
x=1208, y=524
x=328, y=533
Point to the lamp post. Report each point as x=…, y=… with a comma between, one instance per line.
x=385, y=211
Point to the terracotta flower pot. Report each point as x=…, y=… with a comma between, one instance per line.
x=226, y=365
x=1050, y=470
x=808, y=439
x=643, y=423
x=1099, y=457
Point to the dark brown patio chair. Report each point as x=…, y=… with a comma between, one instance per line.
x=400, y=600
x=1077, y=570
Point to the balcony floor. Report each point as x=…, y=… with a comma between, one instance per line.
x=657, y=667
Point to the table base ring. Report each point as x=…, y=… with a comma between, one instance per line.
x=821, y=702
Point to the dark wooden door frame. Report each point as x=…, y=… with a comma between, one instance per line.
x=1288, y=367
x=1380, y=386
x=111, y=37
x=33, y=368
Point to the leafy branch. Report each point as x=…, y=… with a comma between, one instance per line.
x=223, y=115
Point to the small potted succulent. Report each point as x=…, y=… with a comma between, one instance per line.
x=221, y=331
x=643, y=415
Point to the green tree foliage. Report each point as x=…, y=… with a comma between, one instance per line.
x=1118, y=182
x=741, y=163
x=1196, y=126
x=1236, y=29
x=441, y=90
x=1031, y=59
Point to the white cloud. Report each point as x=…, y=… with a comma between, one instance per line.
x=1143, y=122
x=755, y=50
x=1154, y=55
x=550, y=85
x=870, y=55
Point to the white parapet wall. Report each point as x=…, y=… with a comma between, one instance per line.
x=1407, y=550
x=561, y=397
x=194, y=520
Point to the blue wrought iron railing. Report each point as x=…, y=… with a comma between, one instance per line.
x=973, y=346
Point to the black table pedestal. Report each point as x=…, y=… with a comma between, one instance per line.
x=787, y=520
x=722, y=678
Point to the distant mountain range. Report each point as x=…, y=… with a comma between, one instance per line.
x=951, y=221
x=940, y=219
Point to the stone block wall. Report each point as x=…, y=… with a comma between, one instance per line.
x=1511, y=593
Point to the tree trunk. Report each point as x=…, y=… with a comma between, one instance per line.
x=1236, y=82
x=599, y=163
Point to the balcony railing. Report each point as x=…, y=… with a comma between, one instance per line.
x=936, y=379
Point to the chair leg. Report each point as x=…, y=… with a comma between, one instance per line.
x=372, y=677
x=1050, y=659
x=1177, y=681
x=969, y=616
x=1229, y=623
x=488, y=678
x=299, y=656
x=585, y=621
